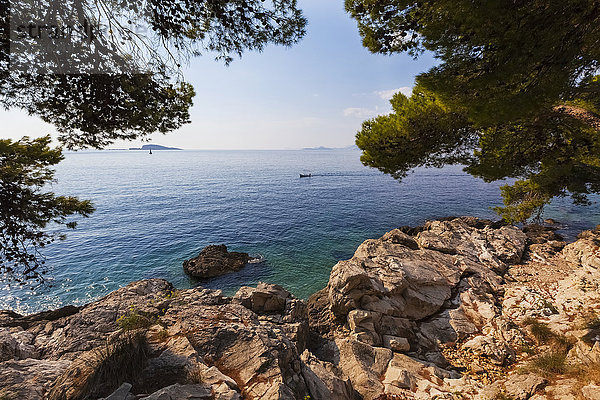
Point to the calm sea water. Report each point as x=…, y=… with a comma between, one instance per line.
x=155, y=211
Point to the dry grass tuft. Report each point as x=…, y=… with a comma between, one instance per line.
x=551, y=363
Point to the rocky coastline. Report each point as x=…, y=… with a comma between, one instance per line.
x=460, y=308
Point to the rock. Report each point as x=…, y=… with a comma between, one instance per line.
x=172, y=359
x=121, y=393
x=12, y=319
x=396, y=236
x=265, y=298
x=16, y=345
x=493, y=348
x=399, y=378
x=438, y=292
x=88, y=329
x=522, y=387
x=585, y=251
x=421, y=313
x=253, y=351
x=591, y=392
x=364, y=365
x=29, y=379
x=182, y=392
x=397, y=344
x=321, y=319
x=323, y=379
x=539, y=234
x=563, y=389
x=215, y=260
x=99, y=372
x=488, y=245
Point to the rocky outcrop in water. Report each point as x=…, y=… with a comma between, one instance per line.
x=457, y=309
x=215, y=260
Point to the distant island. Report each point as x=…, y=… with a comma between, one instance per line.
x=351, y=147
x=154, y=147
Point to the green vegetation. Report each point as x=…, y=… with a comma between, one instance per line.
x=541, y=332
x=553, y=363
x=131, y=85
x=134, y=320
x=162, y=335
x=27, y=208
x=503, y=396
x=515, y=95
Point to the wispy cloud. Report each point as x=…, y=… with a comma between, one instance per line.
x=363, y=112
x=388, y=94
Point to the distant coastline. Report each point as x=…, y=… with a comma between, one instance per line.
x=321, y=148
x=154, y=147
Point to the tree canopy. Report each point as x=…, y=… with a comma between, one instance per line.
x=514, y=94
x=124, y=81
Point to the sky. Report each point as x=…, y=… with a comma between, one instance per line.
x=315, y=93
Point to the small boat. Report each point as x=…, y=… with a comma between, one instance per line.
x=305, y=175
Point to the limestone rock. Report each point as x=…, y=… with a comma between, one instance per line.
x=364, y=365
x=121, y=393
x=16, y=345
x=421, y=313
x=182, y=392
x=265, y=298
x=29, y=379
x=522, y=387
x=396, y=344
x=215, y=260
x=68, y=337
x=591, y=392
x=324, y=379
x=585, y=251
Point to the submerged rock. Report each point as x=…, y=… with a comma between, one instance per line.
x=215, y=260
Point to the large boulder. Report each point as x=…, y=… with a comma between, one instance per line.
x=215, y=260
x=445, y=280
x=414, y=293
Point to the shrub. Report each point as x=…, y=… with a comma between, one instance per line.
x=162, y=335
x=134, y=320
x=552, y=362
x=195, y=375
x=503, y=396
x=541, y=332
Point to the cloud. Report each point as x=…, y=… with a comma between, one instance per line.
x=388, y=94
x=357, y=112
x=363, y=112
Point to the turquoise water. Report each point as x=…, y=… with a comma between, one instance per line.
x=155, y=211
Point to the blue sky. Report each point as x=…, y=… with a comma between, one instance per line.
x=315, y=93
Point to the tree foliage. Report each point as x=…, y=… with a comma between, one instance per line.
x=514, y=95
x=94, y=110
x=124, y=81
x=27, y=209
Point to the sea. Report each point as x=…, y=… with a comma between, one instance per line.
x=155, y=211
